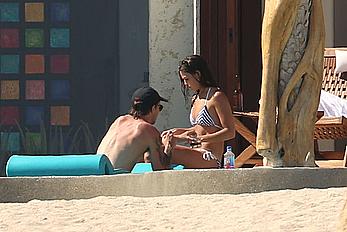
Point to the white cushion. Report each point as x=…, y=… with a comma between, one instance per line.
x=332, y=105
x=341, y=61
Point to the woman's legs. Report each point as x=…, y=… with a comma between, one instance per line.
x=191, y=158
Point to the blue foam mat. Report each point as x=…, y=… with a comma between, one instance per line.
x=69, y=165
x=147, y=167
x=59, y=165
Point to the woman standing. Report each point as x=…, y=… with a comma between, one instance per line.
x=210, y=116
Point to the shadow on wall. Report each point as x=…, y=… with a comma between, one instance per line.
x=5, y=155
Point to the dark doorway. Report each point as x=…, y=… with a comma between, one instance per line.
x=230, y=41
x=250, y=52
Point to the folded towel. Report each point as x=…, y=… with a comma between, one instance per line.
x=147, y=167
x=60, y=165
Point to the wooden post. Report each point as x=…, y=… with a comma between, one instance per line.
x=293, y=50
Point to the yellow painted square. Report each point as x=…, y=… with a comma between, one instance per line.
x=9, y=90
x=34, y=12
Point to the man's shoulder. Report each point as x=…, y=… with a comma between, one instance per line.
x=147, y=127
x=140, y=126
x=124, y=117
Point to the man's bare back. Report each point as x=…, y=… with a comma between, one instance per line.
x=127, y=140
x=132, y=136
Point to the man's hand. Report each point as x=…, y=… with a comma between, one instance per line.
x=169, y=142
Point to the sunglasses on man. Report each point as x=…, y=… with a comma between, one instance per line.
x=160, y=107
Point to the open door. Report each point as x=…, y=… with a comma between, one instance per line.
x=230, y=42
x=219, y=41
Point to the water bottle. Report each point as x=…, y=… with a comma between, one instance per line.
x=229, y=158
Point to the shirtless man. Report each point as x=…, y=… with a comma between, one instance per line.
x=132, y=137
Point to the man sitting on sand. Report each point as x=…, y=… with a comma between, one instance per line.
x=132, y=137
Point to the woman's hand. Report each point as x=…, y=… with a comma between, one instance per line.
x=166, y=132
x=187, y=135
x=191, y=138
x=176, y=131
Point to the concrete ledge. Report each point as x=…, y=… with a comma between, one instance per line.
x=169, y=183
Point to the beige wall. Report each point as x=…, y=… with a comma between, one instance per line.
x=340, y=9
x=335, y=18
x=171, y=29
x=328, y=8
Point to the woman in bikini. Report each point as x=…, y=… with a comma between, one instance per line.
x=210, y=116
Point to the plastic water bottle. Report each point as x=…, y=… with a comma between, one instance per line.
x=229, y=158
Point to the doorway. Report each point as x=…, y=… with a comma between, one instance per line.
x=230, y=42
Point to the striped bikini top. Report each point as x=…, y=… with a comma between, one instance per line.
x=203, y=117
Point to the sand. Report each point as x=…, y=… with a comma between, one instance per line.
x=285, y=210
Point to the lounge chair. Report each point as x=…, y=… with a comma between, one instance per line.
x=325, y=128
x=332, y=127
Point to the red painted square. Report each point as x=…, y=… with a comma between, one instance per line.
x=60, y=64
x=35, y=89
x=9, y=38
x=9, y=115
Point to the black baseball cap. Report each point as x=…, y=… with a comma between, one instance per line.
x=147, y=96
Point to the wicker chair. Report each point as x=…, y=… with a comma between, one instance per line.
x=332, y=127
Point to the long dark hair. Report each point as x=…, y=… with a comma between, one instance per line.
x=192, y=64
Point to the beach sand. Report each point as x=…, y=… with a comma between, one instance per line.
x=284, y=210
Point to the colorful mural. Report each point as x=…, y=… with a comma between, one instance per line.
x=34, y=69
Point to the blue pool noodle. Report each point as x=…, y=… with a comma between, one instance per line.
x=59, y=165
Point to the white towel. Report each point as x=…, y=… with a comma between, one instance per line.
x=333, y=106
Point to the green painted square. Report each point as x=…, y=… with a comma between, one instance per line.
x=9, y=64
x=60, y=38
x=34, y=38
x=9, y=12
x=10, y=141
x=33, y=142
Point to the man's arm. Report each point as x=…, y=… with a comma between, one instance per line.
x=161, y=154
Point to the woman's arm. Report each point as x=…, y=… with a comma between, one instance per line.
x=223, y=110
x=177, y=131
x=182, y=134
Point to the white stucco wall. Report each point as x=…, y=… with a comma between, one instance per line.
x=171, y=29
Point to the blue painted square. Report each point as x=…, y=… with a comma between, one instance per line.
x=9, y=12
x=34, y=115
x=10, y=141
x=60, y=38
x=60, y=12
x=60, y=89
x=9, y=64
